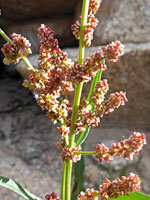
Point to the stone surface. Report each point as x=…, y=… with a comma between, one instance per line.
x=16, y=10
x=60, y=25
x=127, y=21
x=131, y=74
x=33, y=180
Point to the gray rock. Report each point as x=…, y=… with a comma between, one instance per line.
x=30, y=178
x=13, y=10
x=94, y=175
x=127, y=21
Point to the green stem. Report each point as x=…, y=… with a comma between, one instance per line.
x=5, y=36
x=26, y=61
x=63, y=182
x=85, y=152
x=77, y=97
x=68, y=180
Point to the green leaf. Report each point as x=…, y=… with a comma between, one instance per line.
x=133, y=196
x=79, y=174
x=16, y=187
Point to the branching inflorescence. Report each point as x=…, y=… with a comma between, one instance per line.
x=57, y=77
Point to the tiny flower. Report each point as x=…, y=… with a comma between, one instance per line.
x=80, y=126
x=61, y=143
x=90, y=119
x=119, y=187
x=68, y=153
x=52, y=196
x=90, y=194
x=113, y=51
x=63, y=130
x=102, y=153
x=13, y=52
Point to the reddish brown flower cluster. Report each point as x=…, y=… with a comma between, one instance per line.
x=90, y=194
x=52, y=196
x=112, y=51
x=119, y=187
x=68, y=154
x=114, y=101
x=76, y=29
x=13, y=52
x=92, y=22
x=126, y=148
x=129, y=147
x=50, y=51
x=85, y=72
x=94, y=5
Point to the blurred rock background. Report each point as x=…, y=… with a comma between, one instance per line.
x=21, y=135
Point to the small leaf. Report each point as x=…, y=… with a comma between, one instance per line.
x=133, y=196
x=16, y=187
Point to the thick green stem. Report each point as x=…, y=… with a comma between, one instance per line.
x=63, y=182
x=77, y=97
x=26, y=61
x=68, y=180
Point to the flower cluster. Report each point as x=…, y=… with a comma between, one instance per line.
x=68, y=153
x=13, y=52
x=50, y=51
x=126, y=148
x=90, y=194
x=113, y=50
x=92, y=22
x=52, y=196
x=119, y=187
x=114, y=101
